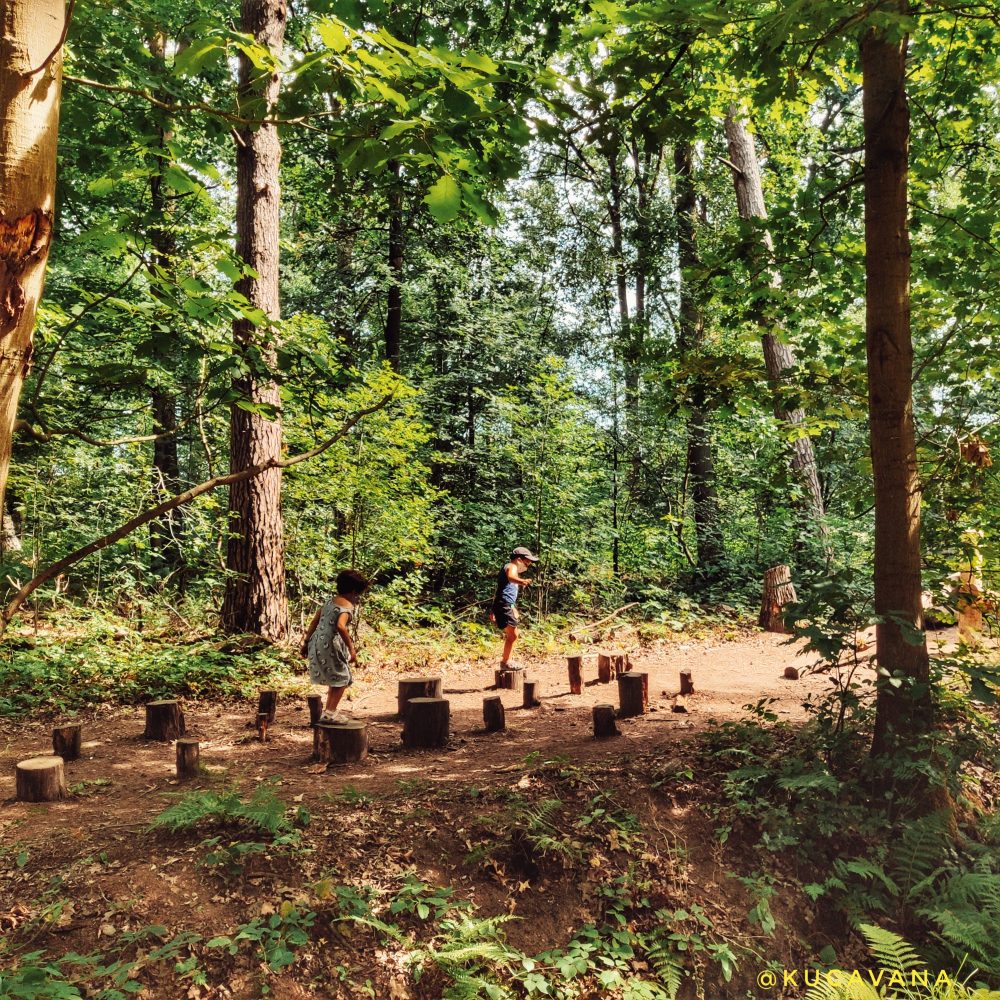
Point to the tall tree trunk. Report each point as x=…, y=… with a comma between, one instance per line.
x=394, y=311
x=255, y=599
x=701, y=464
x=30, y=88
x=779, y=359
x=902, y=712
x=164, y=534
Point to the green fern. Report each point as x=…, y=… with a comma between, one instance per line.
x=890, y=950
x=665, y=964
x=263, y=811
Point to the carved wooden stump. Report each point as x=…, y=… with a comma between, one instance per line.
x=604, y=668
x=778, y=591
x=493, y=714
x=343, y=742
x=633, y=694
x=531, y=695
x=41, y=779
x=687, y=683
x=188, y=758
x=66, y=741
x=604, y=722
x=315, y=702
x=267, y=705
x=426, y=723
x=164, y=720
x=416, y=687
x=510, y=680
x=575, y=664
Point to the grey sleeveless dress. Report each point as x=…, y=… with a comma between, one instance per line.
x=328, y=653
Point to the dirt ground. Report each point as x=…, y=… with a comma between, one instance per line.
x=95, y=848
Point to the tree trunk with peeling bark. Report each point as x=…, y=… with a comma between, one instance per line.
x=255, y=599
x=30, y=88
x=394, y=304
x=779, y=358
x=902, y=712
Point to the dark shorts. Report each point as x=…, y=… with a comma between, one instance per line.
x=505, y=615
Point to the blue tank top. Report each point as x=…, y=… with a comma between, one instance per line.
x=507, y=590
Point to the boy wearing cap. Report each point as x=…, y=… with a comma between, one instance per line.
x=509, y=584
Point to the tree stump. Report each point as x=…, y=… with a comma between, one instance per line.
x=778, y=591
x=680, y=704
x=315, y=702
x=262, y=723
x=41, y=779
x=687, y=683
x=164, y=720
x=510, y=680
x=620, y=664
x=66, y=741
x=493, y=714
x=267, y=705
x=426, y=722
x=604, y=668
x=575, y=674
x=791, y=674
x=188, y=758
x=531, y=698
x=633, y=694
x=343, y=742
x=604, y=722
x=416, y=687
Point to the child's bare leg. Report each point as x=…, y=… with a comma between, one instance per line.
x=333, y=696
x=510, y=634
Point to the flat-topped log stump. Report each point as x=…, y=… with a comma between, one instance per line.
x=427, y=722
x=267, y=704
x=164, y=720
x=633, y=694
x=40, y=779
x=315, y=703
x=343, y=742
x=188, y=758
x=604, y=668
x=493, y=714
x=604, y=722
x=509, y=679
x=416, y=687
x=575, y=664
x=66, y=741
x=531, y=695
x=687, y=683
x=620, y=664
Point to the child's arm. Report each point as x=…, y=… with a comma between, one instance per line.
x=514, y=577
x=309, y=631
x=345, y=634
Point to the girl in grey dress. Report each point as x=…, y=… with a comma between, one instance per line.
x=329, y=645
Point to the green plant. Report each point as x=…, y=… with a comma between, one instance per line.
x=277, y=936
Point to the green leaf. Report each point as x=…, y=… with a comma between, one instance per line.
x=444, y=199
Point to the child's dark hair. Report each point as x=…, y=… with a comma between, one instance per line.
x=350, y=581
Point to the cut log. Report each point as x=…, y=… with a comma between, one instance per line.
x=66, y=741
x=680, y=704
x=41, y=779
x=604, y=668
x=633, y=694
x=620, y=664
x=267, y=705
x=510, y=680
x=188, y=758
x=426, y=723
x=604, y=722
x=531, y=695
x=575, y=674
x=164, y=720
x=315, y=702
x=262, y=724
x=415, y=687
x=778, y=591
x=687, y=683
x=493, y=714
x=344, y=742
x=791, y=674
x=319, y=744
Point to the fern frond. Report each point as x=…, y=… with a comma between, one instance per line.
x=890, y=950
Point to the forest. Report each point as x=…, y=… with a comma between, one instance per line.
x=694, y=305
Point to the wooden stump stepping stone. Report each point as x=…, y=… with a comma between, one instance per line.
x=41, y=779
x=633, y=694
x=66, y=741
x=604, y=722
x=687, y=683
x=575, y=665
x=164, y=720
x=409, y=688
x=427, y=722
x=188, y=758
x=315, y=702
x=343, y=742
x=267, y=704
x=531, y=698
x=493, y=714
x=604, y=668
x=510, y=679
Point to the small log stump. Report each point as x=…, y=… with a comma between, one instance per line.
x=188, y=758
x=633, y=694
x=66, y=741
x=604, y=722
x=791, y=674
x=415, y=687
x=620, y=664
x=41, y=779
x=680, y=704
x=493, y=714
x=315, y=702
x=164, y=720
x=604, y=668
x=778, y=591
x=426, y=723
x=319, y=745
x=687, y=683
x=531, y=697
x=262, y=723
x=343, y=742
x=510, y=680
x=575, y=664
x=267, y=705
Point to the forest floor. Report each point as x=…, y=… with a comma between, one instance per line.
x=541, y=822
